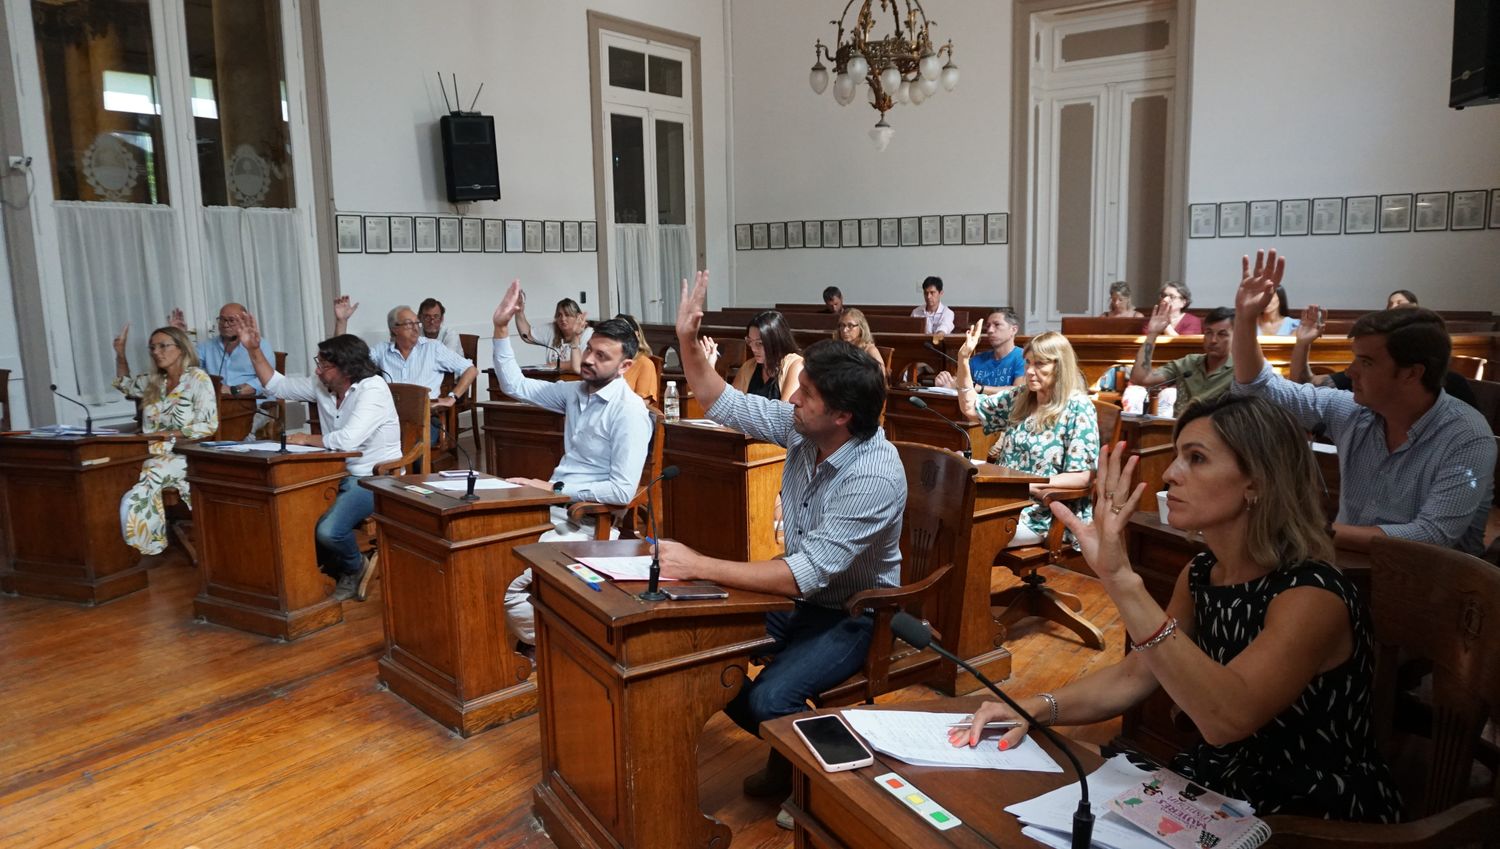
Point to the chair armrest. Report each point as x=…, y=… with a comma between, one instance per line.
x=401, y=464
x=1065, y=493
x=579, y=511
x=1471, y=821
x=891, y=597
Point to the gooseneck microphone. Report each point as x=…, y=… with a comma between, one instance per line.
x=918, y=636
x=88, y=416
x=473, y=476
x=968, y=441
x=531, y=340
x=653, y=585
x=945, y=355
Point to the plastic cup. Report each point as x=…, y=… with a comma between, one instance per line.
x=1161, y=506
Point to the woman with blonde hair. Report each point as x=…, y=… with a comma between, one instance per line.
x=1265, y=646
x=567, y=334
x=854, y=328
x=1047, y=423
x=177, y=401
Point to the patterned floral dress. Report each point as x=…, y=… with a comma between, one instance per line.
x=1318, y=757
x=1069, y=445
x=192, y=408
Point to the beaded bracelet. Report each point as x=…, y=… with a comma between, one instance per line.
x=1167, y=629
x=1051, y=701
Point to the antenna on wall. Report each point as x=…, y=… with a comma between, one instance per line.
x=456, y=106
x=444, y=89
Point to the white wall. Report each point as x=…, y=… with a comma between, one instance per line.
x=801, y=156
x=384, y=105
x=1340, y=97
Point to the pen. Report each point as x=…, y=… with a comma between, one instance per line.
x=997, y=723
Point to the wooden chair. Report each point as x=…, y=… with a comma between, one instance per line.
x=413, y=411
x=468, y=404
x=631, y=518
x=1470, y=367
x=914, y=374
x=4, y=399
x=934, y=538
x=1033, y=597
x=1432, y=604
x=444, y=452
x=1109, y=421
x=887, y=353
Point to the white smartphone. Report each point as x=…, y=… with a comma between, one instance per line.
x=833, y=743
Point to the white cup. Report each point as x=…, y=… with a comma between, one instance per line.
x=1133, y=401
x=1166, y=402
x=1161, y=506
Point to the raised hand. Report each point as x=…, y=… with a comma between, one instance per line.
x=176, y=319
x=1258, y=283
x=343, y=308
x=1312, y=324
x=250, y=331
x=691, y=306
x=710, y=349
x=121, y=340
x=971, y=340
x=1102, y=541
x=1160, y=320
x=510, y=304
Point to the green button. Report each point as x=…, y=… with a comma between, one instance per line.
x=939, y=816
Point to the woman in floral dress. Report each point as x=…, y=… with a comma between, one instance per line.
x=178, y=401
x=1047, y=424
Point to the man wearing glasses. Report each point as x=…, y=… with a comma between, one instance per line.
x=431, y=313
x=224, y=356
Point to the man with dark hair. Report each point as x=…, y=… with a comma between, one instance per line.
x=844, y=491
x=1206, y=375
x=939, y=318
x=833, y=300
x=1311, y=329
x=1000, y=367
x=606, y=435
x=358, y=414
x=431, y=313
x=1415, y=462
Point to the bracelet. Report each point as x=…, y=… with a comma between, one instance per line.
x=1051, y=701
x=1167, y=629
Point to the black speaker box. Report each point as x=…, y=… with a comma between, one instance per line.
x=470, y=167
x=1476, y=54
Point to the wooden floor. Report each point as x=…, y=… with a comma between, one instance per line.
x=130, y=725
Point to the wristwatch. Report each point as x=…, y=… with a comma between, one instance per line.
x=557, y=487
x=234, y=390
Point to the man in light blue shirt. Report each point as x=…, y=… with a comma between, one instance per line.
x=409, y=357
x=224, y=357
x=606, y=435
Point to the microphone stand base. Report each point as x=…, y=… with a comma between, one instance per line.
x=652, y=595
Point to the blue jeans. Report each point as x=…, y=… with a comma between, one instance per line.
x=338, y=549
x=816, y=648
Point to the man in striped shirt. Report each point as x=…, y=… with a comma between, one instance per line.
x=1414, y=462
x=843, y=490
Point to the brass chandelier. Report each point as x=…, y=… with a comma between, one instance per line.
x=902, y=67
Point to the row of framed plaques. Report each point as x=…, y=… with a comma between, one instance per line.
x=1335, y=216
x=425, y=234
x=911, y=231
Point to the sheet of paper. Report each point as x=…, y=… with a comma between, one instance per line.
x=699, y=422
x=939, y=390
x=1323, y=448
x=71, y=430
x=921, y=739
x=637, y=568
x=462, y=484
x=274, y=446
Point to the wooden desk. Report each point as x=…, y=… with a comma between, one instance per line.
x=906, y=423
x=1159, y=553
x=446, y=564
x=1149, y=440
x=625, y=687
x=849, y=811
x=521, y=440
x=255, y=513
x=60, y=499
x=723, y=502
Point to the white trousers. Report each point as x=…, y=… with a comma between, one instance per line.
x=520, y=617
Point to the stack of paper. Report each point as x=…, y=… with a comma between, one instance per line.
x=70, y=430
x=939, y=390
x=243, y=447
x=921, y=739
x=462, y=484
x=636, y=568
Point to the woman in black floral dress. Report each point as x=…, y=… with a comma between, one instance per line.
x=1265, y=646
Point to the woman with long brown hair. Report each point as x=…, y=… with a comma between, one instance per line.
x=772, y=363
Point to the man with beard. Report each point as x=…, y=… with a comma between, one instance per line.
x=1198, y=376
x=844, y=488
x=358, y=414
x=606, y=435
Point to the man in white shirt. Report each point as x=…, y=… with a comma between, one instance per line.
x=357, y=413
x=939, y=318
x=606, y=434
x=431, y=313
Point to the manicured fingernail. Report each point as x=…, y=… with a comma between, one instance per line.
x=1004, y=745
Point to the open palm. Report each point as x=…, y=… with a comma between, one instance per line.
x=1102, y=541
x=1258, y=283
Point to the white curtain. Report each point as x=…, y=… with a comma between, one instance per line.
x=647, y=295
x=631, y=260
x=120, y=263
x=676, y=253
x=252, y=257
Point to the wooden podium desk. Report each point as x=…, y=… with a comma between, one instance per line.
x=1159, y=553
x=906, y=423
x=625, y=688
x=1150, y=440
x=446, y=565
x=849, y=810
x=255, y=513
x=60, y=498
x=520, y=439
x=723, y=501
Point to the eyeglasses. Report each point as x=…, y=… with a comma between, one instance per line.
x=848, y=325
x=233, y=319
x=754, y=343
x=406, y=324
x=161, y=346
x=319, y=363
x=432, y=317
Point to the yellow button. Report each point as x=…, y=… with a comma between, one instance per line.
x=916, y=800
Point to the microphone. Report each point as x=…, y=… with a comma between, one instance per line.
x=653, y=586
x=469, y=492
x=88, y=416
x=944, y=354
x=918, y=636
x=281, y=427
x=968, y=442
x=531, y=340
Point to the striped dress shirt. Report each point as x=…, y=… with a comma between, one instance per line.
x=842, y=517
x=1434, y=488
x=426, y=365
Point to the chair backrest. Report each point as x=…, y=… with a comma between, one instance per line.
x=731, y=354
x=236, y=413
x=887, y=353
x=1442, y=606
x=413, y=411
x=1109, y=421
x=1470, y=367
x=913, y=373
x=469, y=344
x=940, y=491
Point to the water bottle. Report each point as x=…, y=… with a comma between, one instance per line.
x=670, y=403
x=1166, y=402
x=1133, y=402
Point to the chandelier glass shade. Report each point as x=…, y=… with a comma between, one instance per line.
x=902, y=67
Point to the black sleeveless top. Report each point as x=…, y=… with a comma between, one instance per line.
x=764, y=388
x=1318, y=757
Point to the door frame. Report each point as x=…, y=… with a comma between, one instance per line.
x=597, y=22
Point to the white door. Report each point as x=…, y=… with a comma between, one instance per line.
x=648, y=188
